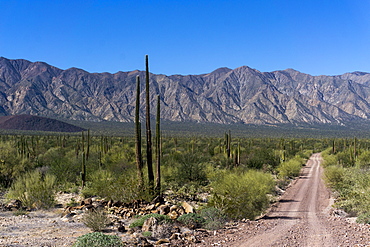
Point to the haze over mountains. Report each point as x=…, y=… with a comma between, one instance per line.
x=242, y=95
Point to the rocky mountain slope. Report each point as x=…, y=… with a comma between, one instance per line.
x=242, y=95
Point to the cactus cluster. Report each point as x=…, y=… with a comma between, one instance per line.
x=154, y=189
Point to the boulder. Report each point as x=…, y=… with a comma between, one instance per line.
x=173, y=215
x=162, y=231
x=163, y=209
x=87, y=201
x=162, y=241
x=149, y=224
x=187, y=207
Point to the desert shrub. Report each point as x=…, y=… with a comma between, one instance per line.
x=98, y=239
x=11, y=164
x=141, y=220
x=363, y=160
x=96, y=220
x=354, y=195
x=345, y=158
x=290, y=168
x=242, y=195
x=363, y=218
x=189, y=191
x=222, y=161
x=123, y=187
x=182, y=168
x=352, y=185
x=100, y=184
x=214, y=218
x=329, y=160
x=118, y=159
x=34, y=190
x=65, y=166
x=306, y=154
x=334, y=176
x=261, y=157
x=192, y=220
x=327, y=151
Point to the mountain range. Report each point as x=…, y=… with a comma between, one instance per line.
x=241, y=95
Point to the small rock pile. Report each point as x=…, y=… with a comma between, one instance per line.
x=136, y=207
x=152, y=232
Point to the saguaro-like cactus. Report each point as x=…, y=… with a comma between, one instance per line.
x=88, y=145
x=83, y=163
x=83, y=168
x=158, y=147
x=149, y=155
x=139, y=158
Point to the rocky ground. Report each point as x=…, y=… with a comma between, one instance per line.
x=302, y=217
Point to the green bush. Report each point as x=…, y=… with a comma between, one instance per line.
x=329, y=160
x=98, y=239
x=290, y=168
x=242, y=195
x=345, y=158
x=66, y=168
x=119, y=158
x=96, y=220
x=363, y=160
x=214, y=218
x=123, y=187
x=354, y=195
x=334, y=176
x=363, y=218
x=261, y=157
x=141, y=220
x=34, y=190
x=192, y=220
x=183, y=168
x=11, y=164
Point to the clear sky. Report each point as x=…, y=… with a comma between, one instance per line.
x=318, y=37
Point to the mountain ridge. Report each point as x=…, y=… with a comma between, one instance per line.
x=35, y=123
x=241, y=95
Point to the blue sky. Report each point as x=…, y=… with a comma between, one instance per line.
x=189, y=37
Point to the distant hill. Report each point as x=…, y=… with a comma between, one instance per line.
x=242, y=95
x=28, y=122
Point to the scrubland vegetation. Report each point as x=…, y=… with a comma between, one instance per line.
x=228, y=177
x=239, y=173
x=347, y=172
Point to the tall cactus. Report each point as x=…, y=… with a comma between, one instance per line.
x=83, y=165
x=139, y=158
x=88, y=145
x=158, y=148
x=228, y=144
x=83, y=168
x=149, y=155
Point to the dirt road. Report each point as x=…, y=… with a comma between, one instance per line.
x=301, y=218
x=300, y=208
